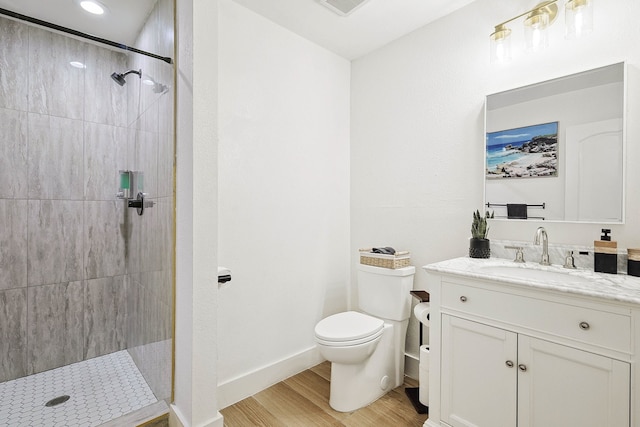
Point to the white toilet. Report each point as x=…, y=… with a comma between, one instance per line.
x=366, y=348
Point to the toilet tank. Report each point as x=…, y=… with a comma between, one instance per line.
x=384, y=292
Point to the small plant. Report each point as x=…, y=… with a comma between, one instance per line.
x=479, y=228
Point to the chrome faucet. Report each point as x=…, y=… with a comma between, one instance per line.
x=545, y=245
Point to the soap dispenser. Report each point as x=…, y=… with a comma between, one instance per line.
x=605, y=254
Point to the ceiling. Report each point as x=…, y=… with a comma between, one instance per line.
x=368, y=28
x=373, y=25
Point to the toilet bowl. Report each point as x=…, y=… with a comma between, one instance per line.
x=348, y=337
x=366, y=347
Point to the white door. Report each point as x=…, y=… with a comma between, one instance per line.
x=560, y=386
x=479, y=374
x=594, y=171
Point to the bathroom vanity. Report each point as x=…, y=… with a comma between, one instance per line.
x=525, y=345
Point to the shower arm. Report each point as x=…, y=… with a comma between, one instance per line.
x=138, y=72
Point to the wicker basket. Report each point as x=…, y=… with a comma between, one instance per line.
x=399, y=260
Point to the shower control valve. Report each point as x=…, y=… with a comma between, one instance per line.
x=140, y=203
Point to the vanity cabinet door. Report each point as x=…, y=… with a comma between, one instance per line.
x=563, y=386
x=479, y=374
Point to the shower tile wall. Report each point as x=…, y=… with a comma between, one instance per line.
x=54, y=322
x=13, y=311
x=81, y=275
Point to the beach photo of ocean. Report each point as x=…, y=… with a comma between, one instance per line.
x=530, y=151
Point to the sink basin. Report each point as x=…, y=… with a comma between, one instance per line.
x=524, y=273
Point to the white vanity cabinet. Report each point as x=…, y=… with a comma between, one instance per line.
x=494, y=377
x=477, y=387
x=507, y=355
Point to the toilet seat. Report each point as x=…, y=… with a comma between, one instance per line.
x=348, y=328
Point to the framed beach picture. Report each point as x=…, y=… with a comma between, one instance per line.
x=525, y=152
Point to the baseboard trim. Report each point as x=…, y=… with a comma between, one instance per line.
x=176, y=419
x=241, y=387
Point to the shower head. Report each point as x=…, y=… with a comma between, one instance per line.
x=119, y=77
x=160, y=88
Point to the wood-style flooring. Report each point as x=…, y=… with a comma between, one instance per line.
x=303, y=400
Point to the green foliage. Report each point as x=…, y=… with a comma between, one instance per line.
x=479, y=227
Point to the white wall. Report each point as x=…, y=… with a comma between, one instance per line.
x=195, y=390
x=417, y=132
x=283, y=198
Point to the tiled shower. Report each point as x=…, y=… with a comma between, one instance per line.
x=82, y=275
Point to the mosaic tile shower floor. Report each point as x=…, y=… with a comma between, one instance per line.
x=100, y=389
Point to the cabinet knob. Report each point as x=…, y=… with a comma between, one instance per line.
x=509, y=363
x=463, y=298
x=584, y=326
x=522, y=368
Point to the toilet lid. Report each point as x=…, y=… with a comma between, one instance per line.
x=348, y=326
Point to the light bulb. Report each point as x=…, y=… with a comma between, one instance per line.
x=500, y=44
x=535, y=31
x=536, y=39
x=578, y=18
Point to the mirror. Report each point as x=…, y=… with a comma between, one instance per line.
x=554, y=150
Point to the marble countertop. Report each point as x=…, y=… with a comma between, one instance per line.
x=613, y=287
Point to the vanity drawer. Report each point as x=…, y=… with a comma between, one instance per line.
x=591, y=326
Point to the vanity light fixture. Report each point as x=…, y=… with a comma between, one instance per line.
x=578, y=21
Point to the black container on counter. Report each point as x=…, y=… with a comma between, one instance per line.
x=605, y=254
x=633, y=262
